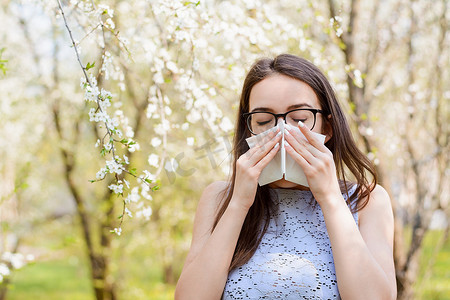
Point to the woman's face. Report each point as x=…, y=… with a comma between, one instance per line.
x=279, y=94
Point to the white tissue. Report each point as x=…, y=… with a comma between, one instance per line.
x=281, y=164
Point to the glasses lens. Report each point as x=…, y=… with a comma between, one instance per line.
x=260, y=122
x=306, y=116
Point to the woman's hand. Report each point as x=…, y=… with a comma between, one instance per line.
x=317, y=163
x=250, y=165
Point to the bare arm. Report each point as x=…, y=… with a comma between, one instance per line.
x=363, y=257
x=206, y=268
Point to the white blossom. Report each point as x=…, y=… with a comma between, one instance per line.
x=155, y=142
x=113, y=167
x=128, y=212
x=4, y=270
x=226, y=124
x=118, y=231
x=133, y=196
x=101, y=174
x=108, y=146
x=153, y=160
x=134, y=147
x=15, y=259
x=185, y=126
x=146, y=212
x=117, y=189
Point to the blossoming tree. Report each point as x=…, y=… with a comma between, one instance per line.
x=151, y=119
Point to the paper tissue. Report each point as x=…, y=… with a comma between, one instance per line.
x=281, y=164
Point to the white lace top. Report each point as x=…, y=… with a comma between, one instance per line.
x=294, y=259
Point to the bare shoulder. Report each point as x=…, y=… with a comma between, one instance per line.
x=207, y=207
x=379, y=205
x=205, y=215
x=376, y=222
x=212, y=196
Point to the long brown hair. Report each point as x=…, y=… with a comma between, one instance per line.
x=345, y=152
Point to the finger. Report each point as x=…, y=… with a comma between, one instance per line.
x=310, y=137
x=262, y=151
x=263, y=162
x=303, y=147
x=262, y=139
x=297, y=157
x=298, y=140
x=292, y=137
x=262, y=142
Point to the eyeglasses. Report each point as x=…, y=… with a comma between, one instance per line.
x=259, y=121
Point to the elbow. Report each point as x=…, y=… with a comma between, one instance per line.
x=182, y=292
x=390, y=293
x=187, y=291
x=179, y=292
x=393, y=293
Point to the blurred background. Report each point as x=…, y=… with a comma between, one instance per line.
x=174, y=70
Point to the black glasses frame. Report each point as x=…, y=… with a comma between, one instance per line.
x=276, y=116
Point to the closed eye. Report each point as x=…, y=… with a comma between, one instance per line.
x=263, y=123
x=296, y=120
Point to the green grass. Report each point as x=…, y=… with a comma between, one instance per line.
x=69, y=280
x=434, y=275
x=50, y=280
x=140, y=276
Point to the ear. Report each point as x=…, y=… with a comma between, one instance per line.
x=327, y=128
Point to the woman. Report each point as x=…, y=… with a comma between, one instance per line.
x=330, y=240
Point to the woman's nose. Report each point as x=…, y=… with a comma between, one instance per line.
x=279, y=119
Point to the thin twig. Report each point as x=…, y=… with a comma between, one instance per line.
x=89, y=33
x=73, y=43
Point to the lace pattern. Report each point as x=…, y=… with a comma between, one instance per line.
x=294, y=259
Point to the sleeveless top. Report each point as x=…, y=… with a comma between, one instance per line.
x=294, y=259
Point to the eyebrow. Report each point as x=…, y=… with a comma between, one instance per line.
x=291, y=107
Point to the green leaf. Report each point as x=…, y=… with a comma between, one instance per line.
x=92, y=180
x=342, y=45
x=352, y=107
x=89, y=66
x=148, y=180
x=103, y=152
x=3, y=62
x=133, y=171
x=120, y=217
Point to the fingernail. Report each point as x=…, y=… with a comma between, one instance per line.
x=278, y=134
x=276, y=145
x=287, y=132
x=300, y=123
